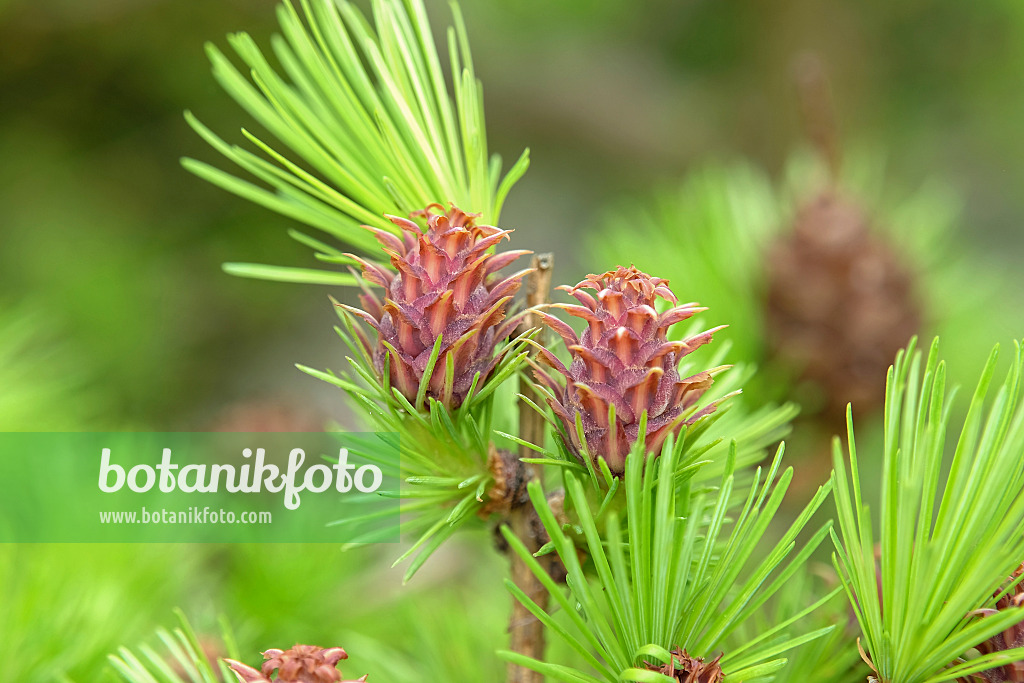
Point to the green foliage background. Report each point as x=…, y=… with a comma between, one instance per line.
x=114, y=311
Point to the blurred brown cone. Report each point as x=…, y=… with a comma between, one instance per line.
x=840, y=303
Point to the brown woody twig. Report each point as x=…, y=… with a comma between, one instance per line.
x=526, y=633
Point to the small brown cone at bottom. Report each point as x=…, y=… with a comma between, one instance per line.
x=298, y=664
x=687, y=669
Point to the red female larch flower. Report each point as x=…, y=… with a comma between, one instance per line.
x=444, y=284
x=623, y=359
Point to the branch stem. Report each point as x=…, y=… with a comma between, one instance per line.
x=526, y=634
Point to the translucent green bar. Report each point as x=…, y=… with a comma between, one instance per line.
x=198, y=487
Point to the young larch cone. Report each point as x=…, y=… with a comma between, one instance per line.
x=687, y=669
x=839, y=303
x=1010, y=638
x=299, y=664
x=623, y=359
x=444, y=284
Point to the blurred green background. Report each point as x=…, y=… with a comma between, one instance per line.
x=114, y=312
x=120, y=248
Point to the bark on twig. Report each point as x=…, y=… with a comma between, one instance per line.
x=526, y=633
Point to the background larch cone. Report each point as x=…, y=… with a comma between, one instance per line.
x=623, y=358
x=687, y=669
x=299, y=664
x=1010, y=638
x=444, y=283
x=840, y=303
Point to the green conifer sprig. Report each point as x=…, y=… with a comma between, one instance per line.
x=182, y=661
x=442, y=455
x=675, y=578
x=946, y=543
x=832, y=658
x=367, y=120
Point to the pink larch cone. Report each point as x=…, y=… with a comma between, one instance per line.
x=444, y=283
x=623, y=358
x=299, y=664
